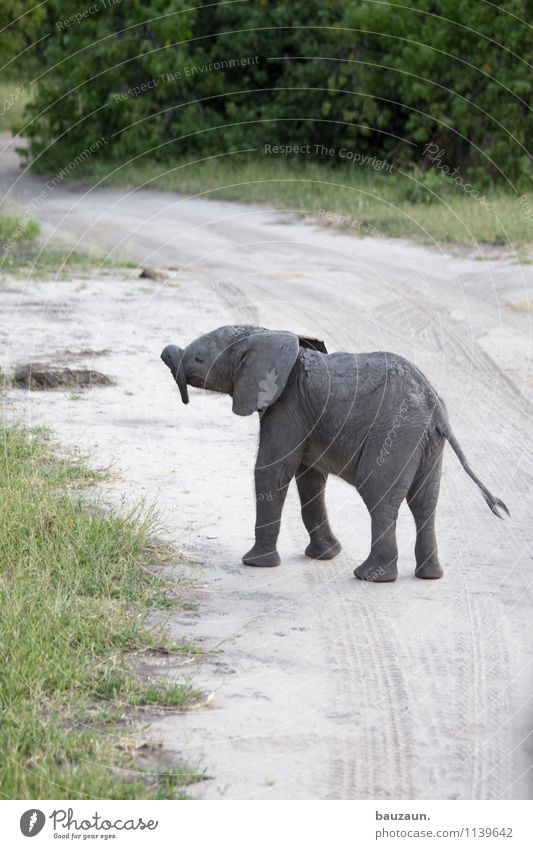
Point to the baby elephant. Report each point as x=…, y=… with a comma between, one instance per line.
x=373, y=419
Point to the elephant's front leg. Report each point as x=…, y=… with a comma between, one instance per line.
x=323, y=544
x=272, y=479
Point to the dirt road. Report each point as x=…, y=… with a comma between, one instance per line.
x=322, y=686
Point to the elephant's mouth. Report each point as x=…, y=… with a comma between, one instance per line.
x=203, y=381
x=196, y=380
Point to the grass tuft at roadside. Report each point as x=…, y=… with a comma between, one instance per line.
x=426, y=206
x=74, y=596
x=23, y=253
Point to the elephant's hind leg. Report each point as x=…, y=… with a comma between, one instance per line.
x=381, y=565
x=311, y=484
x=382, y=497
x=422, y=499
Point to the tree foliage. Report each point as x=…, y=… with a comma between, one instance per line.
x=452, y=73
x=21, y=30
x=172, y=77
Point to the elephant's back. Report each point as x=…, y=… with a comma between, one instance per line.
x=378, y=369
x=380, y=378
x=345, y=397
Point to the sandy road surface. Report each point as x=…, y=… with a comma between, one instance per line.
x=323, y=687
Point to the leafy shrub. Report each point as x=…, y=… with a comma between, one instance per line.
x=449, y=72
x=164, y=78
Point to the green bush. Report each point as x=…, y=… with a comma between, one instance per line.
x=448, y=72
x=168, y=78
x=425, y=187
x=90, y=65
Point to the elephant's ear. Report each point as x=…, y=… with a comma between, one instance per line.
x=263, y=370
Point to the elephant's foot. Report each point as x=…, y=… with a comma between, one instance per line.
x=430, y=570
x=260, y=556
x=323, y=549
x=378, y=571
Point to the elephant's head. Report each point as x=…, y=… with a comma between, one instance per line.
x=252, y=364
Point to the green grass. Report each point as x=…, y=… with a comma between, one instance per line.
x=16, y=227
x=427, y=208
x=33, y=261
x=22, y=253
x=74, y=596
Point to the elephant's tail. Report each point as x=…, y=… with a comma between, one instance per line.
x=493, y=502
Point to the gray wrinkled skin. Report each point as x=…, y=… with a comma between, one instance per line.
x=372, y=419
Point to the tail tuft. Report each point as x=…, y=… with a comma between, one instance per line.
x=494, y=503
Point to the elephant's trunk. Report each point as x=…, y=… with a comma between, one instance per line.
x=172, y=357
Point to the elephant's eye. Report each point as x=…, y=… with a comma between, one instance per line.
x=198, y=359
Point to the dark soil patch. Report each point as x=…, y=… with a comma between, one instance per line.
x=37, y=376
